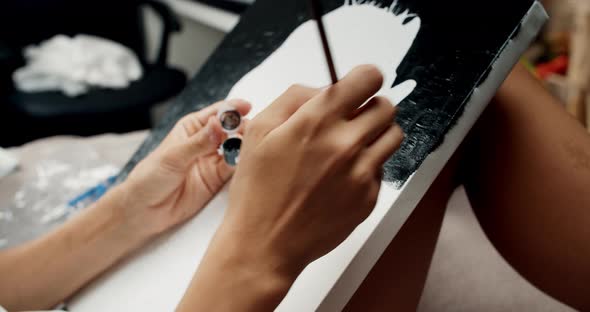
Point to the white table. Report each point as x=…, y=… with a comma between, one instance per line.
x=494, y=286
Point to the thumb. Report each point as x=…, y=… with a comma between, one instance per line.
x=203, y=142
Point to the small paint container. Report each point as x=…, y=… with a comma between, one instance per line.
x=230, y=150
x=230, y=120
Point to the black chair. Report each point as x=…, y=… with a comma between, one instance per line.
x=28, y=116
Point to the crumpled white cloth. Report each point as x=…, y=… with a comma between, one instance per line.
x=75, y=64
x=7, y=163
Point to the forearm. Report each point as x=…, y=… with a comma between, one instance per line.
x=44, y=272
x=528, y=181
x=231, y=278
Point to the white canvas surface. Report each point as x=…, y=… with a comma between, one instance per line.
x=156, y=278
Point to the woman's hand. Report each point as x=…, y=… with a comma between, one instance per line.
x=181, y=176
x=169, y=186
x=310, y=172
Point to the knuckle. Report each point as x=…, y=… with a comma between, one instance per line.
x=370, y=206
x=307, y=118
x=371, y=195
x=189, y=124
x=373, y=192
x=257, y=125
x=169, y=161
x=182, y=122
x=385, y=108
x=337, y=156
x=309, y=123
x=301, y=92
x=371, y=73
x=390, y=114
x=252, y=126
x=398, y=134
x=364, y=176
x=386, y=104
x=343, y=148
x=379, y=175
x=367, y=206
x=295, y=89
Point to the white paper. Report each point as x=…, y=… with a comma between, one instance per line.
x=7, y=163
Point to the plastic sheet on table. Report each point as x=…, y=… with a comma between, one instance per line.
x=60, y=183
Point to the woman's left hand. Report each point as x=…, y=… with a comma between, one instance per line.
x=180, y=177
x=168, y=187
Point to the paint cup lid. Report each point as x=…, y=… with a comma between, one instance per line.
x=229, y=118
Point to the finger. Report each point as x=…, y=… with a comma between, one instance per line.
x=372, y=119
x=384, y=147
x=281, y=109
x=351, y=92
x=198, y=120
x=204, y=142
x=224, y=171
x=245, y=123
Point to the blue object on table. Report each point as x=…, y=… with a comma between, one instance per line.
x=92, y=195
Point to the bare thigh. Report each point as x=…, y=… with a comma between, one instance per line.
x=526, y=168
x=397, y=280
x=528, y=180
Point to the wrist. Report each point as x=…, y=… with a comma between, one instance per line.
x=229, y=269
x=267, y=286
x=268, y=276
x=116, y=207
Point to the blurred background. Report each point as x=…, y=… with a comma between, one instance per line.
x=560, y=58
x=58, y=76
x=154, y=46
x=82, y=81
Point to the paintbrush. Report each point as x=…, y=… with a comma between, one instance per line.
x=315, y=9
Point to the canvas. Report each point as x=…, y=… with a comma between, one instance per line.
x=442, y=62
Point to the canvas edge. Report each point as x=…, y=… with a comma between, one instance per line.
x=368, y=255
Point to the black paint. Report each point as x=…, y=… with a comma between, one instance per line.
x=457, y=44
x=231, y=150
x=230, y=120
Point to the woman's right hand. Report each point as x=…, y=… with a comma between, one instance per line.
x=309, y=174
x=310, y=170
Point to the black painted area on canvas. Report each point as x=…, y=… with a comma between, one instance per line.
x=455, y=48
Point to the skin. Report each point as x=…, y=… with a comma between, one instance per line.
x=509, y=165
x=171, y=185
x=180, y=177
x=266, y=241
x=529, y=189
x=526, y=169
x=398, y=278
